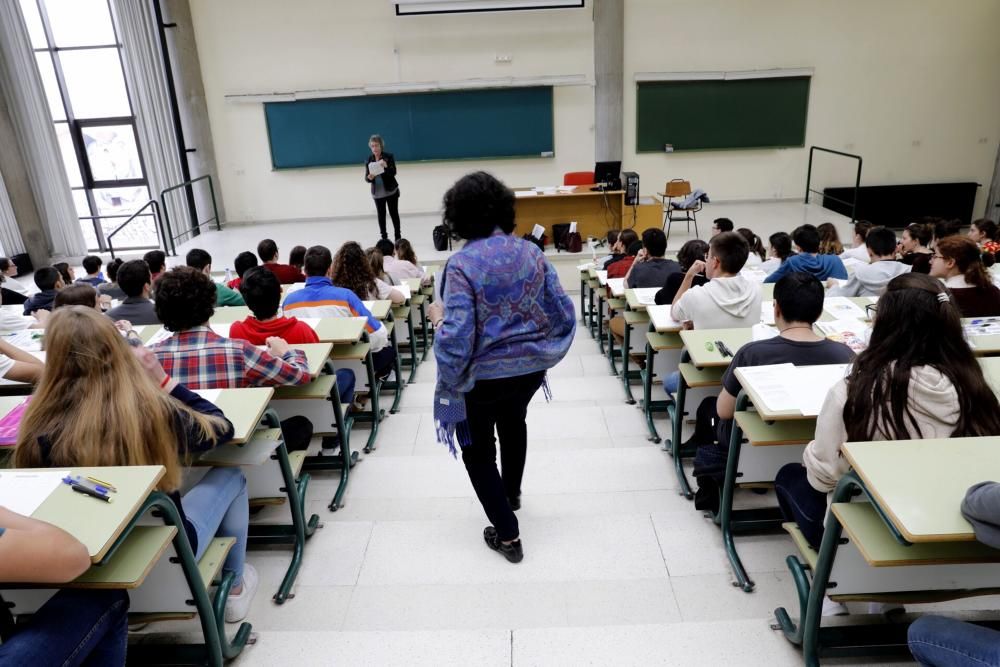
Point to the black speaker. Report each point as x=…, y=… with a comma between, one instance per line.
x=631, y=188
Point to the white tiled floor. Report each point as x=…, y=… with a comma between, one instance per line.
x=619, y=569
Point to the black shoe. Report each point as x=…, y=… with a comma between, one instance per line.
x=515, y=503
x=512, y=552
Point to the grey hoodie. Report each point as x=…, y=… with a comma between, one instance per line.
x=933, y=402
x=721, y=303
x=871, y=279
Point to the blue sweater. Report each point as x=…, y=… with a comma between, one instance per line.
x=821, y=266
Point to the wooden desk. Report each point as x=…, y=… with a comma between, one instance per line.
x=661, y=319
x=617, y=287
x=637, y=297
x=695, y=340
x=766, y=412
x=98, y=524
x=594, y=212
x=316, y=355
x=920, y=484
x=379, y=309
x=339, y=329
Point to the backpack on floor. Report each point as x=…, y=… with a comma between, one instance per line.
x=297, y=432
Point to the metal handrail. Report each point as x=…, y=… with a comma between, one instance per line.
x=195, y=227
x=857, y=180
x=156, y=214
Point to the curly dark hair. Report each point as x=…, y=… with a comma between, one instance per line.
x=185, y=298
x=352, y=271
x=477, y=204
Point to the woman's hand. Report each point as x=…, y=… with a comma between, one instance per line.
x=152, y=366
x=435, y=313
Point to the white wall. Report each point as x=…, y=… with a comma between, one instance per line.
x=889, y=74
x=261, y=46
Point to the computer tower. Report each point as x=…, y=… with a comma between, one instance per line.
x=631, y=188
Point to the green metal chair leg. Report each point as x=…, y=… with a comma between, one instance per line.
x=647, y=394
x=600, y=322
x=423, y=331
x=677, y=423
x=626, y=350
x=414, y=358
x=726, y=508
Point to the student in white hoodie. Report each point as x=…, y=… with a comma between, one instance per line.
x=916, y=346
x=871, y=279
x=728, y=300
x=858, y=250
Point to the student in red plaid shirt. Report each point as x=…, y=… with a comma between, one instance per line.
x=199, y=358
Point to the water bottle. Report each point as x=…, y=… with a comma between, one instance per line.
x=229, y=276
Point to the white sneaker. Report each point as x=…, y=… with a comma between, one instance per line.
x=238, y=606
x=885, y=608
x=831, y=608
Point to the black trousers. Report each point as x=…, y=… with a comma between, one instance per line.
x=499, y=405
x=392, y=202
x=800, y=502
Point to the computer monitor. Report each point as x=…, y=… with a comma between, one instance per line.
x=608, y=175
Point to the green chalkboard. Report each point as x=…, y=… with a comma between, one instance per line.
x=452, y=125
x=719, y=114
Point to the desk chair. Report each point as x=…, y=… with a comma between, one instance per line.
x=678, y=189
x=577, y=178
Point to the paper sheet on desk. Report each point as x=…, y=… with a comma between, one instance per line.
x=661, y=318
x=29, y=340
x=767, y=312
x=982, y=326
x=840, y=307
x=23, y=492
x=518, y=194
x=602, y=277
x=855, y=334
x=789, y=388
x=617, y=286
x=646, y=295
x=159, y=337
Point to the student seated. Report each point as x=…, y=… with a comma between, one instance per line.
x=780, y=250
x=262, y=292
x=111, y=288
x=8, y=278
x=798, y=303
x=200, y=358
x=728, y=299
x=650, y=269
x=92, y=265
x=957, y=262
x=913, y=248
x=321, y=298
x=156, y=260
x=136, y=282
x=66, y=271
x=245, y=260
x=49, y=282
x=155, y=421
x=268, y=251
x=399, y=261
x=808, y=259
x=986, y=234
x=720, y=225
x=943, y=229
x=377, y=263
x=692, y=251
x=202, y=261
x=74, y=627
x=11, y=321
x=757, y=252
x=871, y=279
x=77, y=294
x=297, y=257
x=917, y=350
x=352, y=270
x=623, y=252
x=829, y=239
x=858, y=250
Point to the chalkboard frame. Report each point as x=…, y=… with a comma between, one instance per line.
x=545, y=97
x=643, y=146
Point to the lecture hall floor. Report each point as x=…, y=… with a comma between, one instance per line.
x=618, y=569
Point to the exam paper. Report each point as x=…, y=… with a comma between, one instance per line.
x=661, y=318
x=840, y=307
x=789, y=388
x=159, y=337
x=602, y=277
x=23, y=492
x=375, y=168
x=29, y=340
x=767, y=312
x=617, y=286
x=852, y=333
x=538, y=232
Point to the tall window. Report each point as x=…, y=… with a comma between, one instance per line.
x=79, y=59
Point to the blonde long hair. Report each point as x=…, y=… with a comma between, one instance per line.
x=97, y=406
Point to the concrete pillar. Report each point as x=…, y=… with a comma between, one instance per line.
x=22, y=198
x=609, y=67
x=186, y=68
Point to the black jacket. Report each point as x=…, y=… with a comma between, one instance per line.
x=388, y=176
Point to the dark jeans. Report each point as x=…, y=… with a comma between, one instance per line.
x=499, y=405
x=73, y=628
x=946, y=642
x=393, y=203
x=345, y=386
x=383, y=361
x=800, y=502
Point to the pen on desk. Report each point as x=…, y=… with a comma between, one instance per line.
x=91, y=493
x=723, y=349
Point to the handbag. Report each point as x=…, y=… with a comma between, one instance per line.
x=538, y=242
x=574, y=242
x=440, y=237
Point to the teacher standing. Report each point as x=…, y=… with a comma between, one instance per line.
x=385, y=189
x=504, y=321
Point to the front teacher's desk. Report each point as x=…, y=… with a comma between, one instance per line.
x=128, y=548
x=594, y=212
x=272, y=474
x=907, y=544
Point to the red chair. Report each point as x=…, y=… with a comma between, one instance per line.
x=578, y=178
